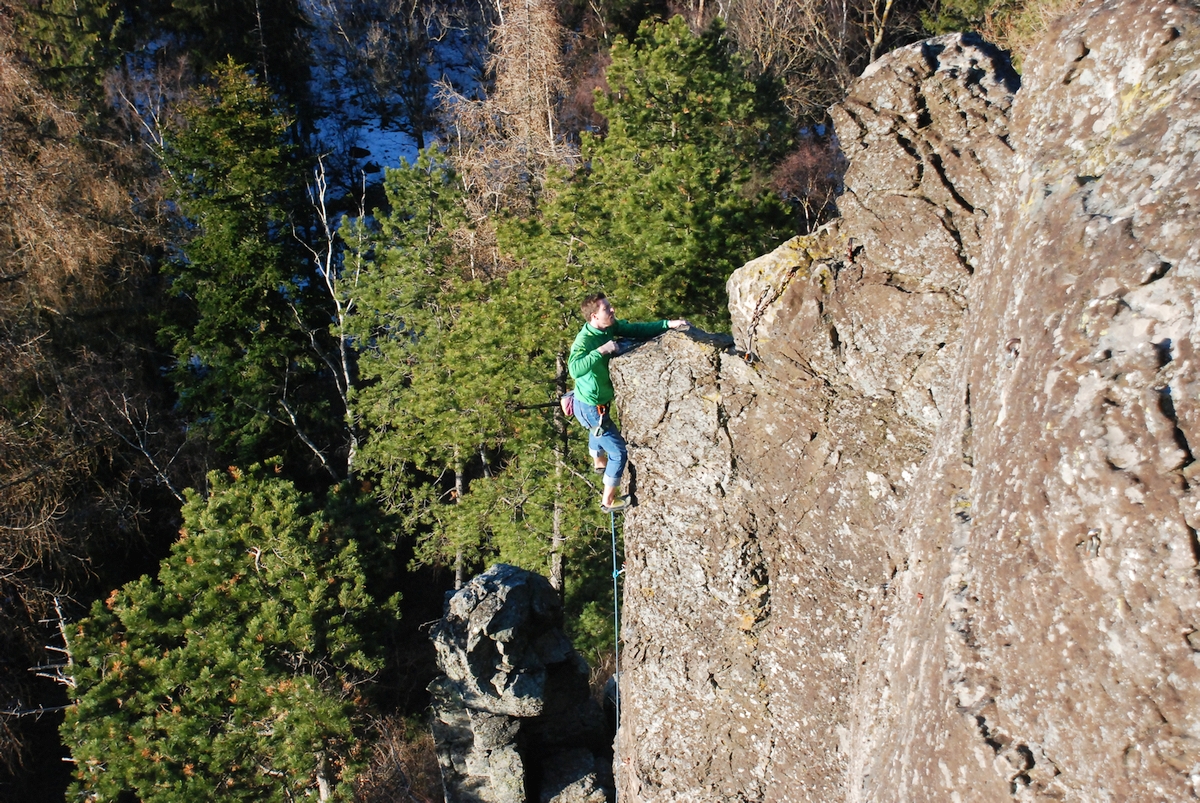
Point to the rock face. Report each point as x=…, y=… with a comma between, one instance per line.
x=927, y=530
x=513, y=717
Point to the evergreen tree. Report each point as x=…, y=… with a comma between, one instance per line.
x=416, y=412
x=243, y=300
x=673, y=198
x=458, y=386
x=72, y=41
x=234, y=673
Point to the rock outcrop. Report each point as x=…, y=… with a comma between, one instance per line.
x=513, y=716
x=927, y=529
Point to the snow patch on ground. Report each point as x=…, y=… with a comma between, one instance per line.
x=351, y=132
x=351, y=125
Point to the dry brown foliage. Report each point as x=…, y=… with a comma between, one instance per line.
x=71, y=267
x=815, y=47
x=504, y=144
x=53, y=209
x=403, y=768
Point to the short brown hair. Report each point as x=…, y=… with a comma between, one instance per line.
x=591, y=304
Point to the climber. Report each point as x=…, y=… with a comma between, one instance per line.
x=588, y=365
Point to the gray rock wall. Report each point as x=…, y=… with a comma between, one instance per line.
x=926, y=530
x=512, y=714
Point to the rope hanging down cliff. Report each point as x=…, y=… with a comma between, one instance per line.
x=612, y=520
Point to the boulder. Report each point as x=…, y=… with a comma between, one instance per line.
x=513, y=717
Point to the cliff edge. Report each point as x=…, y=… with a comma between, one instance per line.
x=925, y=530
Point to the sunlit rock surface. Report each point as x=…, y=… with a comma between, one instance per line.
x=926, y=530
x=512, y=715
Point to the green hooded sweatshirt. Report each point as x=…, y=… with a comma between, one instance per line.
x=589, y=368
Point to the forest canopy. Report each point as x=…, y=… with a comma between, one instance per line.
x=265, y=399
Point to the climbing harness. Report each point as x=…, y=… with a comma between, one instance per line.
x=612, y=520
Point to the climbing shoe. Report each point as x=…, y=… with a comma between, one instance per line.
x=599, y=469
x=620, y=505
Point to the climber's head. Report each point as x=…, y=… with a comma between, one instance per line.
x=598, y=311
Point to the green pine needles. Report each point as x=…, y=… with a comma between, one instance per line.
x=674, y=197
x=233, y=675
x=457, y=381
x=245, y=305
x=460, y=364
x=72, y=41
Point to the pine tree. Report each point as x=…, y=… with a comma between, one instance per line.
x=72, y=41
x=234, y=673
x=410, y=400
x=243, y=300
x=406, y=323
x=458, y=385
x=673, y=198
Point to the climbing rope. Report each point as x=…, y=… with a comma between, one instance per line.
x=612, y=518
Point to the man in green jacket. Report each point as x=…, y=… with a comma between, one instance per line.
x=588, y=365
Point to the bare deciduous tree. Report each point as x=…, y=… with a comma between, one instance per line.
x=810, y=178
x=144, y=91
x=341, y=283
x=816, y=47
x=70, y=272
x=393, y=46
x=504, y=143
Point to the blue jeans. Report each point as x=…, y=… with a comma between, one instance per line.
x=603, y=438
